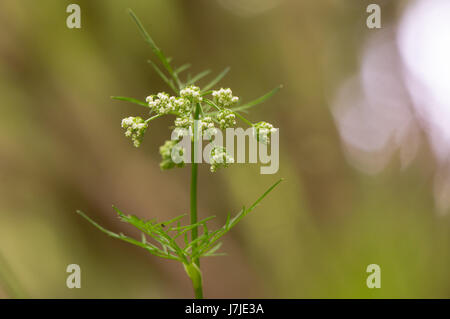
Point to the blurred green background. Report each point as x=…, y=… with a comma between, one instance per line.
x=340, y=209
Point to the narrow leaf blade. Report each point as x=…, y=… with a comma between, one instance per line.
x=130, y=99
x=216, y=79
x=258, y=100
x=198, y=77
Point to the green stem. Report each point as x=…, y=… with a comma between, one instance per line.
x=194, y=168
x=194, y=232
x=195, y=274
x=198, y=290
x=153, y=118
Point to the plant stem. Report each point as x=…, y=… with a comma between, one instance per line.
x=194, y=168
x=195, y=274
x=194, y=232
x=198, y=291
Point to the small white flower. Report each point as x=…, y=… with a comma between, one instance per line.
x=184, y=122
x=207, y=123
x=224, y=97
x=182, y=105
x=135, y=128
x=167, y=152
x=226, y=118
x=262, y=131
x=162, y=104
x=207, y=127
x=192, y=93
x=219, y=158
x=127, y=121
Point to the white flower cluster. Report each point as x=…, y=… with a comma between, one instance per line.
x=262, y=131
x=181, y=106
x=166, y=151
x=224, y=97
x=207, y=123
x=206, y=126
x=187, y=122
x=184, y=122
x=135, y=128
x=219, y=158
x=226, y=118
x=164, y=104
x=192, y=93
x=183, y=126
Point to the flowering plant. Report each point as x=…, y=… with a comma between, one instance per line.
x=196, y=111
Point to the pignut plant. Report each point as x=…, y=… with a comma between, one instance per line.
x=194, y=110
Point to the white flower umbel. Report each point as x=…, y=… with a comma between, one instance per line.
x=187, y=122
x=226, y=118
x=219, y=158
x=182, y=106
x=207, y=123
x=192, y=93
x=183, y=122
x=208, y=128
x=167, y=150
x=135, y=128
x=162, y=104
x=224, y=97
x=262, y=131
